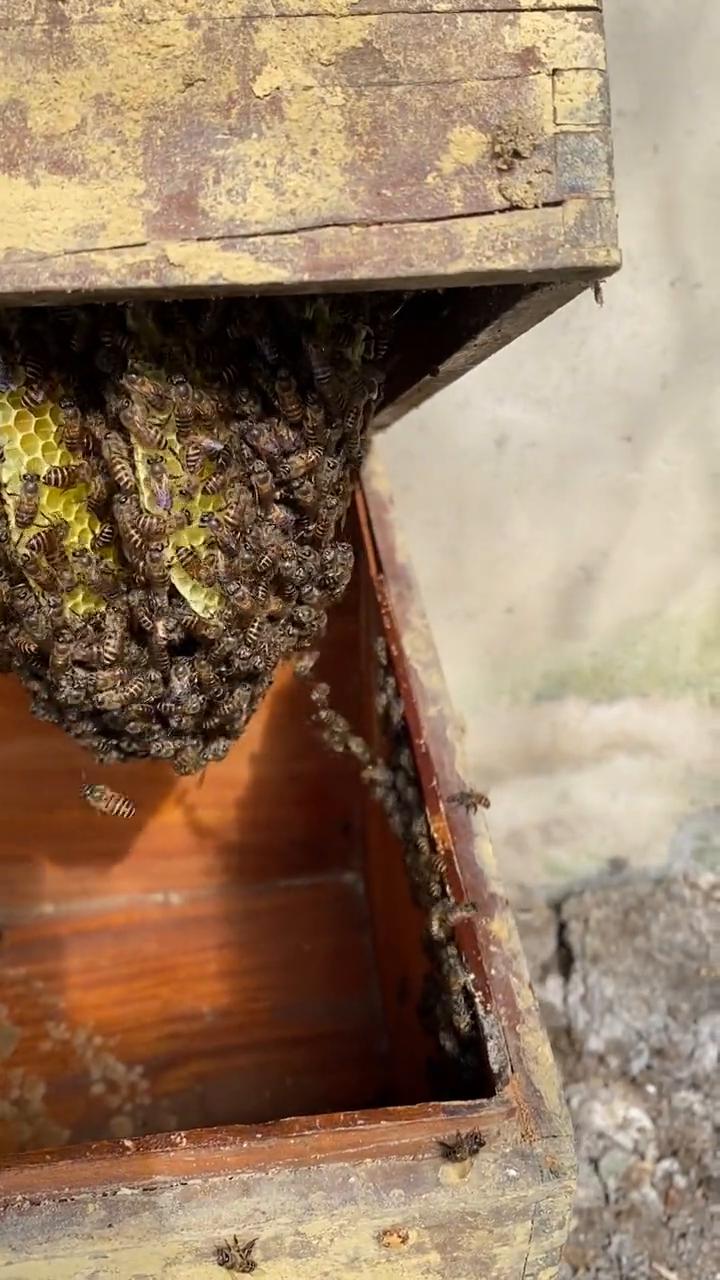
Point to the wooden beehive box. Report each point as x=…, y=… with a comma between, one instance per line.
x=182, y=147
x=237, y=975
x=208, y=1023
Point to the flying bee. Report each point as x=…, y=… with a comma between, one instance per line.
x=470, y=800
x=71, y=430
x=463, y=1146
x=65, y=477
x=104, y=537
x=112, y=803
x=118, y=461
x=149, y=435
x=160, y=483
x=28, y=502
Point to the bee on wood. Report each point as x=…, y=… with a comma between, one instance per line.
x=160, y=483
x=445, y=915
x=149, y=435
x=112, y=803
x=64, y=477
x=463, y=1146
x=28, y=502
x=104, y=537
x=101, y=577
x=236, y=1257
x=470, y=800
x=118, y=461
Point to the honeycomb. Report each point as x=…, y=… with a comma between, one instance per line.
x=253, y=412
x=30, y=446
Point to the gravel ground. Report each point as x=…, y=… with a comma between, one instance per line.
x=628, y=975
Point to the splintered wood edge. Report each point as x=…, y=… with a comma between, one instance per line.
x=490, y=939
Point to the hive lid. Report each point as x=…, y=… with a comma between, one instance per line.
x=169, y=146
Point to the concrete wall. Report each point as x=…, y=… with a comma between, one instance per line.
x=562, y=506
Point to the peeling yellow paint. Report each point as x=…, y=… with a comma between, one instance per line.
x=466, y=145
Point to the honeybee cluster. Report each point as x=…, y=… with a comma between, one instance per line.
x=174, y=479
x=449, y=1006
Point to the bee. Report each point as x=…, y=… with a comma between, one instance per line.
x=61, y=653
x=112, y=803
x=28, y=501
x=133, y=518
x=118, y=461
x=470, y=800
x=445, y=915
x=160, y=483
x=227, y=539
x=155, y=398
x=149, y=435
x=302, y=464
x=103, y=578
x=113, y=639
x=158, y=646
x=463, y=1146
x=304, y=663
x=181, y=395
x=119, y=696
x=104, y=537
x=98, y=491
x=243, y=601
x=288, y=400
x=234, y=704
x=48, y=540
x=23, y=643
x=262, y=484
x=32, y=397
x=321, y=364
x=71, y=430
x=326, y=519
x=281, y=518
x=215, y=484
x=40, y=571
x=238, y=511
x=236, y=1257
x=200, y=448
x=305, y=496
x=64, y=477
x=156, y=567
x=314, y=419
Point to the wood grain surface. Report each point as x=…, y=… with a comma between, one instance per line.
x=160, y=146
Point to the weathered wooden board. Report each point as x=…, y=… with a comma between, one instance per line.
x=151, y=146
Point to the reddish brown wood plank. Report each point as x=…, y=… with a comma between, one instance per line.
x=233, y=1008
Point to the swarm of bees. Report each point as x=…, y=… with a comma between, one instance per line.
x=174, y=482
x=450, y=1007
